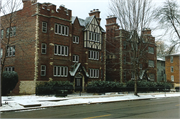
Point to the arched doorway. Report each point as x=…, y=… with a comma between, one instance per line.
x=78, y=82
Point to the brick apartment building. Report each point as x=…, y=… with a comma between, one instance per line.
x=118, y=59
x=58, y=47
x=172, y=67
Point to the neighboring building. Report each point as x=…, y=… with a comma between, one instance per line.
x=173, y=68
x=119, y=63
x=161, y=74
x=65, y=48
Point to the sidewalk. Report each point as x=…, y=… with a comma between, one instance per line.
x=33, y=102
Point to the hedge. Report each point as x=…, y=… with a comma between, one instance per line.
x=9, y=81
x=54, y=87
x=103, y=86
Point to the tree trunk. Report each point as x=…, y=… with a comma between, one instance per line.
x=135, y=85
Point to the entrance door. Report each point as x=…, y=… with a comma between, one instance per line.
x=78, y=83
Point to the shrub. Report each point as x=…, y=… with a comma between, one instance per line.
x=103, y=86
x=9, y=81
x=54, y=87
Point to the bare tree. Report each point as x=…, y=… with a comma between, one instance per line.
x=168, y=17
x=14, y=30
x=163, y=49
x=133, y=17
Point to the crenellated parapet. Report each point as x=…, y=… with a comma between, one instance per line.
x=49, y=9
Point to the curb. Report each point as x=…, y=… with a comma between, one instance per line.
x=31, y=108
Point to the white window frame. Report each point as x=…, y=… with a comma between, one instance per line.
x=9, y=68
x=151, y=50
x=151, y=63
x=60, y=71
x=76, y=39
x=43, y=70
x=44, y=27
x=94, y=73
x=75, y=58
x=43, y=48
x=132, y=75
x=61, y=29
x=1, y=52
x=60, y=50
x=10, y=51
x=172, y=78
x=172, y=69
x=93, y=55
x=171, y=59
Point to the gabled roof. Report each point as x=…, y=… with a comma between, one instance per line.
x=76, y=67
x=173, y=54
x=85, y=23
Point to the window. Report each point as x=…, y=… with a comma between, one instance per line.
x=60, y=71
x=124, y=44
x=162, y=73
x=11, y=31
x=75, y=58
x=151, y=50
x=124, y=59
x=10, y=51
x=172, y=69
x=94, y=55
x=43, y=70
x=132, y=75
x=61, y=29
x=140, y=66
x=2, y=33
x=60, y=50
x=76, y=39
x=151, y=63
x=44, y=27
x=124, y=75
x=172, y=78
x=9, y=68
x=94, y=36
x=171, y=59
x=94, y=73
x=43, y=48
x=1, y=52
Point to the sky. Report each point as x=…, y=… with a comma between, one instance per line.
x=81, y=8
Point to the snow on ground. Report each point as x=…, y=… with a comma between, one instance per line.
x=18, y=102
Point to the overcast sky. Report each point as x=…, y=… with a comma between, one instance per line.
x=81, y=8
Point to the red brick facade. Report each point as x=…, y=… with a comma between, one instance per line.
x=47, y=54
x=117, y=53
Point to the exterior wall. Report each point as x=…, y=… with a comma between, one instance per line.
x=176, y=66
x=161, y=75
x=117, y=53
x=28, y=64
x=24, y=42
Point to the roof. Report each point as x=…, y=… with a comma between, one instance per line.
x=161, y=58
x=76, y=67
x=85, y=23
x=174, y=54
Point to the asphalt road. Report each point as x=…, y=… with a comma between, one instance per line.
x=155, y=108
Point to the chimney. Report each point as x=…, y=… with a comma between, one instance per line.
x=96, y=13
x=28, y=2
x=111, y=19
x=111, y=22
x=146, y=31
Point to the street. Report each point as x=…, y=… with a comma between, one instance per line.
x=154, y=108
